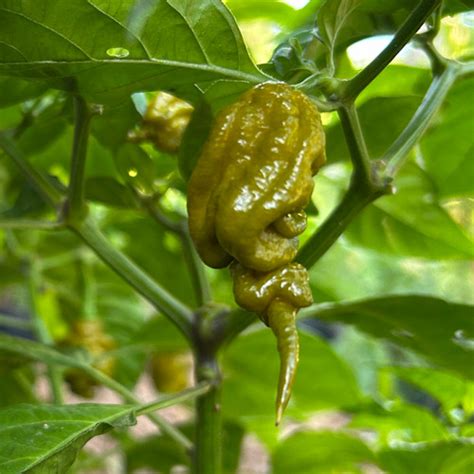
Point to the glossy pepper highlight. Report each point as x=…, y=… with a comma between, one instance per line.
x=253, y=178
x=246, y=197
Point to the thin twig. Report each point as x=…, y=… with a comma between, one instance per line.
x=170, y=400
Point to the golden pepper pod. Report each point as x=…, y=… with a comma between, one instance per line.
x=164, y=122
x=276, y=296
x=89, y=335
x=256, y=168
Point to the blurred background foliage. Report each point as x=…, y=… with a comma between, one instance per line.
x=385, y=383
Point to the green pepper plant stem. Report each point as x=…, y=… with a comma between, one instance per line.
x=202, y=288
x=170, y=400
x=351, y=89
x=129, y=396
x=396, y=155
x=75, y=205
x=176, y=311
x=366, y=186
x=207, y=456
x=43, y=186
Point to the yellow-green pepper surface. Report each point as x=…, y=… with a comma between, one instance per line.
x=164, y=122
x=246, y=197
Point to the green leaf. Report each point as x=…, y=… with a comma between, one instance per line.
x=111, y=127
x=447, y=457
x=159, y=334
x=438, y=330
x=159, y=254
x=15, y=91
x=107, y=190
x=251, y=364
x=332, y=17
x=321, y=453
x=399, y=422
x=45, y=439
x=450, y=390
x=448, y=146
x=17, y=384
x=136, y=167
x=157, y=452
x=411, y=222
x=126, y=47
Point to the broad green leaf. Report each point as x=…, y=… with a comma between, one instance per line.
x=411, y=223
x=342, y=22
x=111, y=127
x=438, y=330
x=17, y=384
x=399, y=423
x=126, y=47
x=388, y=275
x=450, y=390
x=14, y=90
x=448, y=147
x=46, y=439
x=159, y=334
x=159, y=253
x=321, y=453
x=251, y=364
x=447, y=457
x=47, y=126
x=136, y=167
x=108, y=191
x=159, y=453
x=332, y=17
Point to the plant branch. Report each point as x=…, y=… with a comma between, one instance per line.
x=395, y=156
x=76, y=208
x=176, y=311
x=180, y=397
x=196, y=268
x=128, y=396
x=353, y=202
x=47, y=191
x=366, y=186
x=208, y=434
x=29, y=224
x=356, y=143
x=351, y=89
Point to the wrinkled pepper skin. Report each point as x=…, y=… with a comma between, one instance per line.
x=164, y=122
x=246, y=197
x=276, y=297
x=253, y=178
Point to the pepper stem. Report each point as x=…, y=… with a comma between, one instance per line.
x=281, y=318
